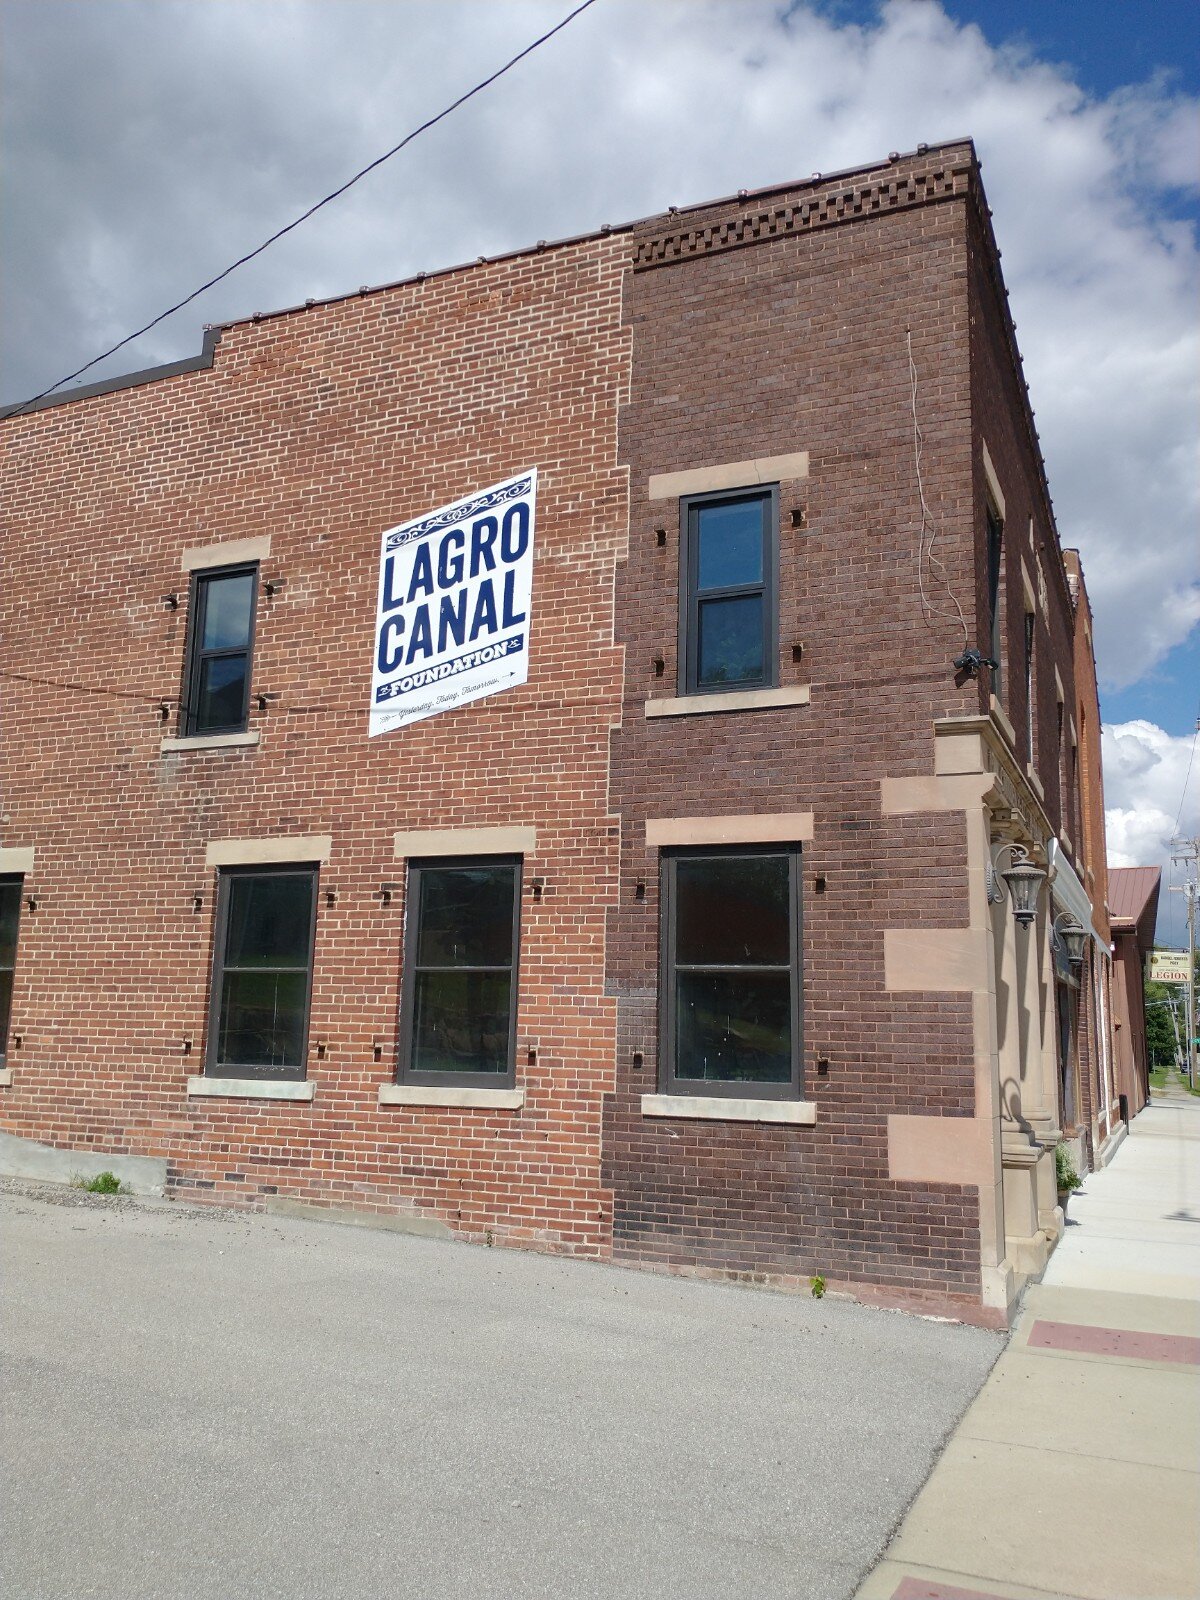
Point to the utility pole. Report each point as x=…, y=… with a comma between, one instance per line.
x=1190, y=855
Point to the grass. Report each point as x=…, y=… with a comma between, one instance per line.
x=102, y=1183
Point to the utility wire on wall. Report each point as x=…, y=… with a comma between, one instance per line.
x=929, y=530
x=304, y=215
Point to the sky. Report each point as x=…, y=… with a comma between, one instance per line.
x=149, y=143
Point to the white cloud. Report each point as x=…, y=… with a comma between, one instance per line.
x=1145, y=771
x=233, y=116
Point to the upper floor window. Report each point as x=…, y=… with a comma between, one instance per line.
x=262, y=972
x=731, y=992
x=728, y=611
x=1030, y=708
x=10, y=916
x=995, y=553
x=216, y=693
x=459, y=996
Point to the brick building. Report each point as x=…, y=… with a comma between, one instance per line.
x=689, y=949
x=1133, y=905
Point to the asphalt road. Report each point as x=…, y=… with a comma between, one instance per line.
x=201, y=1403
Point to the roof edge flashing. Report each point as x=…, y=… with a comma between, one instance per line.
x=126, y=380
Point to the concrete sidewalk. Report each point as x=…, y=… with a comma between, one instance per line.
x=1076, y=1472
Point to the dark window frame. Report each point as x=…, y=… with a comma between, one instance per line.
x=690, y=507
x=195, y=656
x=11, y=880
x=405, y=1073
x=265, y=1073
x=740, y=1089
x=995, y=589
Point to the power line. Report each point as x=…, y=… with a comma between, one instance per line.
x=304, y=215
x=1188, y=774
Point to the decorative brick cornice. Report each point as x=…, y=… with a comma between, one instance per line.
x=817, y=206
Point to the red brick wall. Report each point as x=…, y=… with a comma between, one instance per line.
x=321, y=428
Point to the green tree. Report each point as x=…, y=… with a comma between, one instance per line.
x=1160, y=1030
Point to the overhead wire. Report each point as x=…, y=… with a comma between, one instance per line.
x=925, y=555
x=1187, y=776
x=334, y=194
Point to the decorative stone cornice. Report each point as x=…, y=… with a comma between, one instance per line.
x=1017, y=813
x=823, y=206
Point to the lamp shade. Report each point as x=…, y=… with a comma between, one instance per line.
x=1024, y=884
x=1075, y=939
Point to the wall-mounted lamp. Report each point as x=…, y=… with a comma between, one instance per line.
x=164, y=711
x=1023, y=879
x=386, y=891
x=273, y=585
x=1073, y=936
x=538, y=885
x=171, y=601
x=31, y=902
x=197, y=899
x=331, y=896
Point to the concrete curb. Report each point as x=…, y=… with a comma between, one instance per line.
x=26, y=1158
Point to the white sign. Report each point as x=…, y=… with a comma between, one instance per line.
x=1168, y=966
x=455, y=589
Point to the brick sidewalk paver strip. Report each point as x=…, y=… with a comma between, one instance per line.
x=923, y=1589
x=1114, y=1342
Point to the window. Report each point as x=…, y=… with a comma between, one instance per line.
x=10, y=915
x=262, y=973
x=995, y=550
x=1030, y=710
x=730, y=1019
x=727, y=618
x=216, y=691
x=459, y=995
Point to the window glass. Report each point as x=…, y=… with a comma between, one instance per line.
x=227, y=611
x=732, y=911
x=262, y=1018
x=735, y=1026
x=10, y=912
x=269, y=919
x=217, y=680
x=460, y=986
x=730, y=539
x=731, y=969
x=460, y=1021
x=264, y=970
x=222, y=692
x=730, y=645
x=727, y=586
x=466, y=917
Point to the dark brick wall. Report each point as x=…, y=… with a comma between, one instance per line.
x=800, y=344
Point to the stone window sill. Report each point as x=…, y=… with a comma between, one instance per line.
x=716, y=1108
x=249, y=1089
x=417, y=1094
x=695, y=705
x=215, y=741
x=5, y=1077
